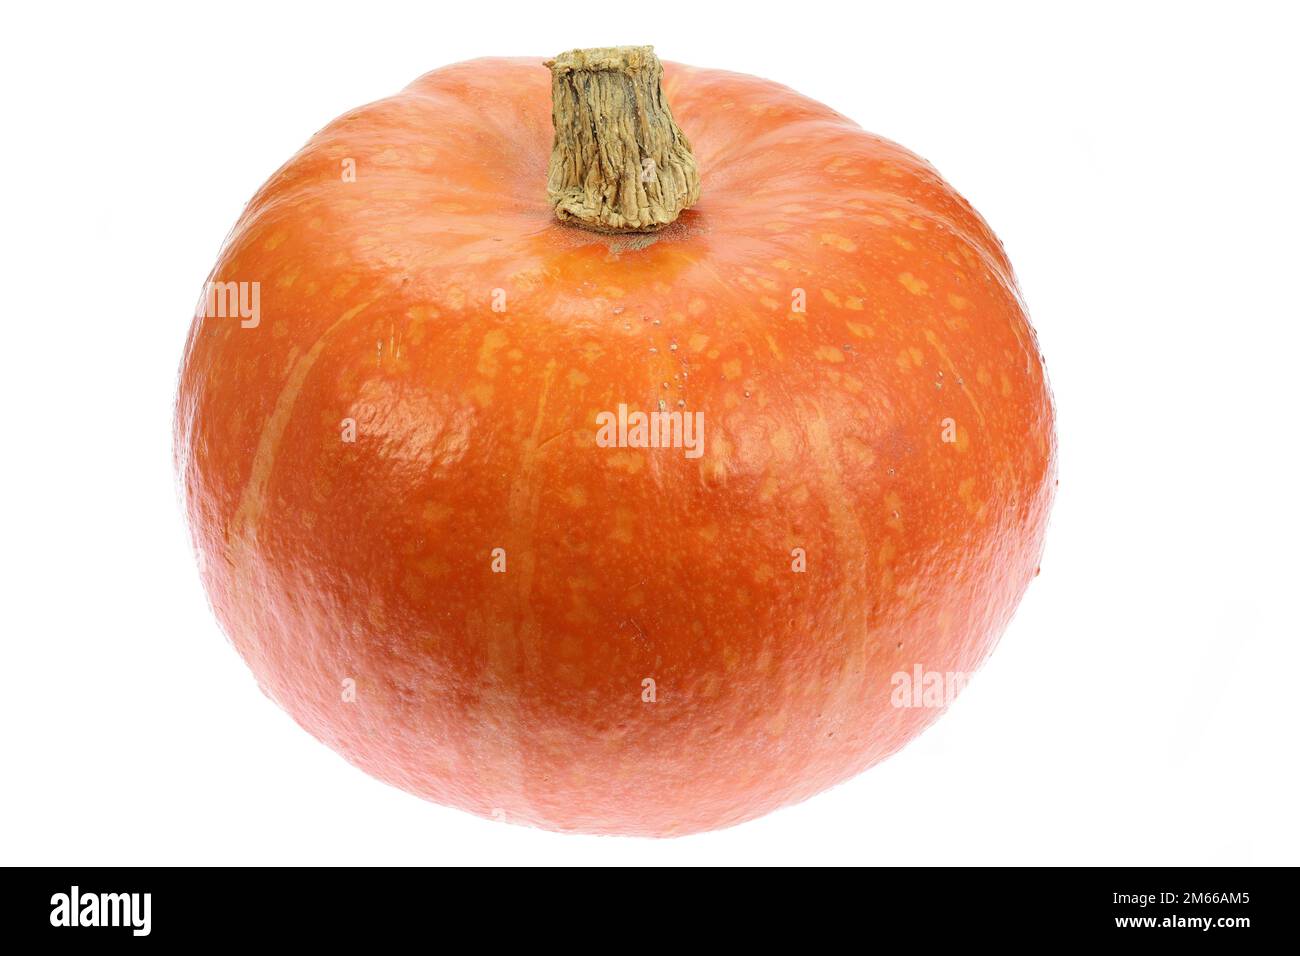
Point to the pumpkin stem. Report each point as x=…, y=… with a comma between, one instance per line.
x=620, y=163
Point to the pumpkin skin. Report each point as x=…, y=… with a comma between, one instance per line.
x=521, y=695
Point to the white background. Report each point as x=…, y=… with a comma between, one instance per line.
x=1140, y=164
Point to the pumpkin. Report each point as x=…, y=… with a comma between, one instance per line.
x=629, y=448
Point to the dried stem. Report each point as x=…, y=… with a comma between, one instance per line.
x=620, y=163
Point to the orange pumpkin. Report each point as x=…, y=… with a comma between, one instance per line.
x=441, y=546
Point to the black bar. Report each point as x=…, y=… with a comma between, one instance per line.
x=328, y=906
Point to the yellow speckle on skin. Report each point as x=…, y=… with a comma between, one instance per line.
x=957, y=302
x=434, y=513
x=831, y=297
x=275, y=240
x=697, y=307
x=709, y=532
x=894, y=511
x=966, y=492
x=698, y=342
x=577, y=378
x=858, y=451
x=493, y=342
x=877, y=219
x=624, y=522
x=776, y=723
x=482, y=394
x=911, y=357
x=829, y=353
x=903, y=243
x=714, y=471
x=914, y=285
x=783, y=444
x=838, y=242
x=343, y=287
x=628, y=461
x=859, y=329
x=768, y=302
x=731, y=369
x=783, y=264
x=526, y=280
x=854, y=303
